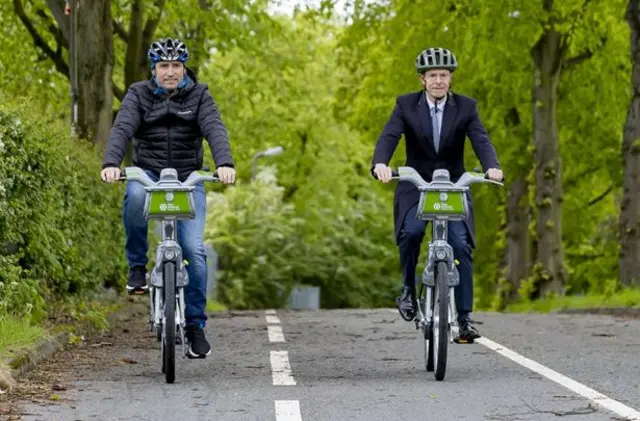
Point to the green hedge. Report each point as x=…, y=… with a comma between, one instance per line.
x=266, y=246
x=60, y=229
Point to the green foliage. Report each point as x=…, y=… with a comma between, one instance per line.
x=254, y=234
x=323, y=89
x=57, y=219
x=613, y=298
x=265, y=248
x=16, y=334
x=26, y=70
x=325, y=222
x=204, y=26
x=493, y=46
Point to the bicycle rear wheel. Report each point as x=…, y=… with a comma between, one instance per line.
x=169, y=325
x=440, y=333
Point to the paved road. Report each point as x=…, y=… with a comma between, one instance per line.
x=355, y=365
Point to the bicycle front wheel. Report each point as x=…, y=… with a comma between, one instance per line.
x=169, y=325
x=440, y=333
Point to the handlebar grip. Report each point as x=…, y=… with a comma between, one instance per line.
x=123, y=177
x=394, y=174
x=486, y=177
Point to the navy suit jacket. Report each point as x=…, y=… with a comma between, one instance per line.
x=411, y=117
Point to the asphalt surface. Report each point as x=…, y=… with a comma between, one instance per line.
x=348, y=365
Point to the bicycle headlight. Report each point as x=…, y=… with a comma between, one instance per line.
x=440, y=254
x=169, y=254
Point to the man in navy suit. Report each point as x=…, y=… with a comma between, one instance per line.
x=435, y=123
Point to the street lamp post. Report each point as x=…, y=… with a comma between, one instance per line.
x=268, y=152
x=71, y=10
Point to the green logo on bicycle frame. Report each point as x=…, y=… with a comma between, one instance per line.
x=169, y=203
x=443, y=202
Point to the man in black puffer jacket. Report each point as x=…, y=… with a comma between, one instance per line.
x=168, y=116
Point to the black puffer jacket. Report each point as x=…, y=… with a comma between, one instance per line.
x=167, y=130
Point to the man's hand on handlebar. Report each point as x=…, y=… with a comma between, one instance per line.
x=226, y=174
x=110, y=174
x=383, y=172
x=495, y=174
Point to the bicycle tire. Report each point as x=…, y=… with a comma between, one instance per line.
x=169, y=325
x=440, y=334
x=426, y=332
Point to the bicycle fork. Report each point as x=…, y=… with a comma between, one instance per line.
x=156, y=318
x=426, y=319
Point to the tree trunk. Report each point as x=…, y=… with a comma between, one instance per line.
x=630, y=205
x=547, y=57
x=134, y=44
x=518, y=241
x=94, y=66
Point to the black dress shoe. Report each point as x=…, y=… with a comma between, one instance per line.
x=467, y=332
x=406, y=304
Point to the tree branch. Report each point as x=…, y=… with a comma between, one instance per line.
x=134, y=46
x=601, y=196
x=148, y=32
x=574, y=180
x=38, y=41
x=569, y=63
x=120, y=31
x=61, y=41
x=57, y=9
x=152, y=24
x=574, y=61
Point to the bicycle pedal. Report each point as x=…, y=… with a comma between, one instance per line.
x=138, y=292
x=463, y=341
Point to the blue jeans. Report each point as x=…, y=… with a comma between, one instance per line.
x=190, y=238
x=411, y=235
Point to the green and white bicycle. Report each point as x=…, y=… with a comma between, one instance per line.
x=441, y=201
x=168, y=201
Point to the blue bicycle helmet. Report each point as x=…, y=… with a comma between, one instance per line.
x=169, y=49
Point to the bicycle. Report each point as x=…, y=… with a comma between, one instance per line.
x=168, y=200
x=441, y=201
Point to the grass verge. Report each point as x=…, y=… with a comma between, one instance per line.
x=15, y=335
x=628, y=298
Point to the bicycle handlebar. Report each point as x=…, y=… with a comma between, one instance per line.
x=139, y=175
x=440, y=179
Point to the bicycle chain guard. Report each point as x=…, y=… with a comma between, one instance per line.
x=171, y=248
x=437, y=248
